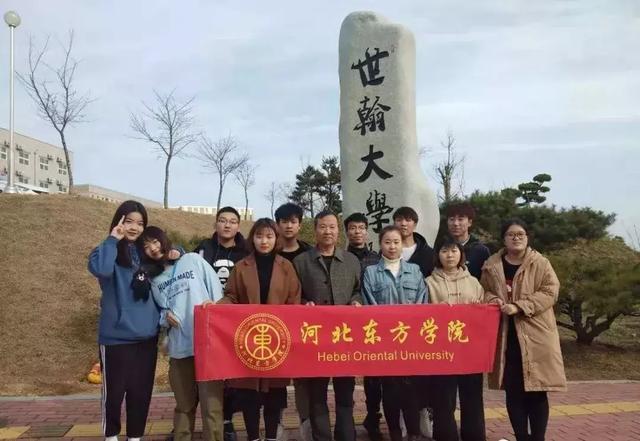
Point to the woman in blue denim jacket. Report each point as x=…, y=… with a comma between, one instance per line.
x=396, y=282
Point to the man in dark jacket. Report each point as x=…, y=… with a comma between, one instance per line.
x=329, y=276
x=355, y=227
x=289, y=220
x=222, y=251
x=415, y=248
x=226, y=246
x=459, y=220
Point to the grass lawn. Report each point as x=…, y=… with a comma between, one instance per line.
x=614, y=355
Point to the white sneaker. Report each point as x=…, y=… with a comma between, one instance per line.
x=426, y=422
x=305, y=430
x=134, y=439
x=280, y=433
x=111, y=438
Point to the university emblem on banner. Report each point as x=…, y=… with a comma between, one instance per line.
x=262, y=341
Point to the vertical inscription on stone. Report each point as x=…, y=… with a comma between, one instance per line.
x=378, y=148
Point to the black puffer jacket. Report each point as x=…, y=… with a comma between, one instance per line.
x=476, y=254
x=423, y=255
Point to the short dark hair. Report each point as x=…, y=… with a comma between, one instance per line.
x=288, y=211
x=514, y=221
x=227, y=210
x=386, y=230
x=322, y=214
x=123, y=258
x=406, y=213
x=356, y=218
x=463, y=209
x=259, y=225
x=448, y=242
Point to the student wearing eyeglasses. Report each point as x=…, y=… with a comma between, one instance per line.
x=225, y=248
x=528, y=361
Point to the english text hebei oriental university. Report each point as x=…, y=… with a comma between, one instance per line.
x=239, y=341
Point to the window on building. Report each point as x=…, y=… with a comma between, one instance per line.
x=3, y=152
x=23, y=179
x=44, y=163
x=44, y=184
x=62, y=168
x=23, y=157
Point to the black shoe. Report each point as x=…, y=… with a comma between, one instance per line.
x=372, y=424
x=229, y=432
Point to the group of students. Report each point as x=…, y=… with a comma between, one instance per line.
x=147, y=284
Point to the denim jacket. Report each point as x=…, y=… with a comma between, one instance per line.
x=380, y=287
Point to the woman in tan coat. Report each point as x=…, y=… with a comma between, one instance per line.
x=528, y=359
x=452, y=284
x=263, y=277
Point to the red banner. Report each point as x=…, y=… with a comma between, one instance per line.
x=239, y=341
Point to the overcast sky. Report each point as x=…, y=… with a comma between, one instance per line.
x=526, y=88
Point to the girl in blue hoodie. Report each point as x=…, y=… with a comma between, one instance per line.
x=177, y=288
x=128, y=329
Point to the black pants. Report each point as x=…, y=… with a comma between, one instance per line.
x=446, y=388
x=399, y=394
x=373, y=395
x=250, y=401
x=525, y=409
x=229, y=406
x=128, y=370
x=319, y=411
x=424, y=390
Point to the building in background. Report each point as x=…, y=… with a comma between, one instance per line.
x=39, y=166
x=117, y=197
x=212, y=210
x=113, y=196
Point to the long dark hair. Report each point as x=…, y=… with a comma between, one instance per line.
x=127, y=207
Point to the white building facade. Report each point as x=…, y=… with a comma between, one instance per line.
x=202, y=209
x=39, y=166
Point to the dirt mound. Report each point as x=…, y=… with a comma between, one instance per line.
x=48, y=299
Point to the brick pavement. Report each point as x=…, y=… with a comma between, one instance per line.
x=588, y=411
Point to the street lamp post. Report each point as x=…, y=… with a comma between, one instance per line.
x=12, y=19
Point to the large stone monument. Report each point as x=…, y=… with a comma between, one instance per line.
x=378, y=148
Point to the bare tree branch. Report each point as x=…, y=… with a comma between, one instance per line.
x=221, y=157
x=271, y=194
x=450, y=168
x=57, y=100
x=246, y=177
x=168, y=125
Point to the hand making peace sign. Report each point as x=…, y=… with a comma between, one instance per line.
x=118, y=230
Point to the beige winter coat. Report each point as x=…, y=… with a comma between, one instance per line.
x=460, y=288
x=535, y=291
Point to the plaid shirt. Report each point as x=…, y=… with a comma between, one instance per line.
x=365, y=256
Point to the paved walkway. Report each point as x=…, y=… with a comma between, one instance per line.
x=588, y=411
